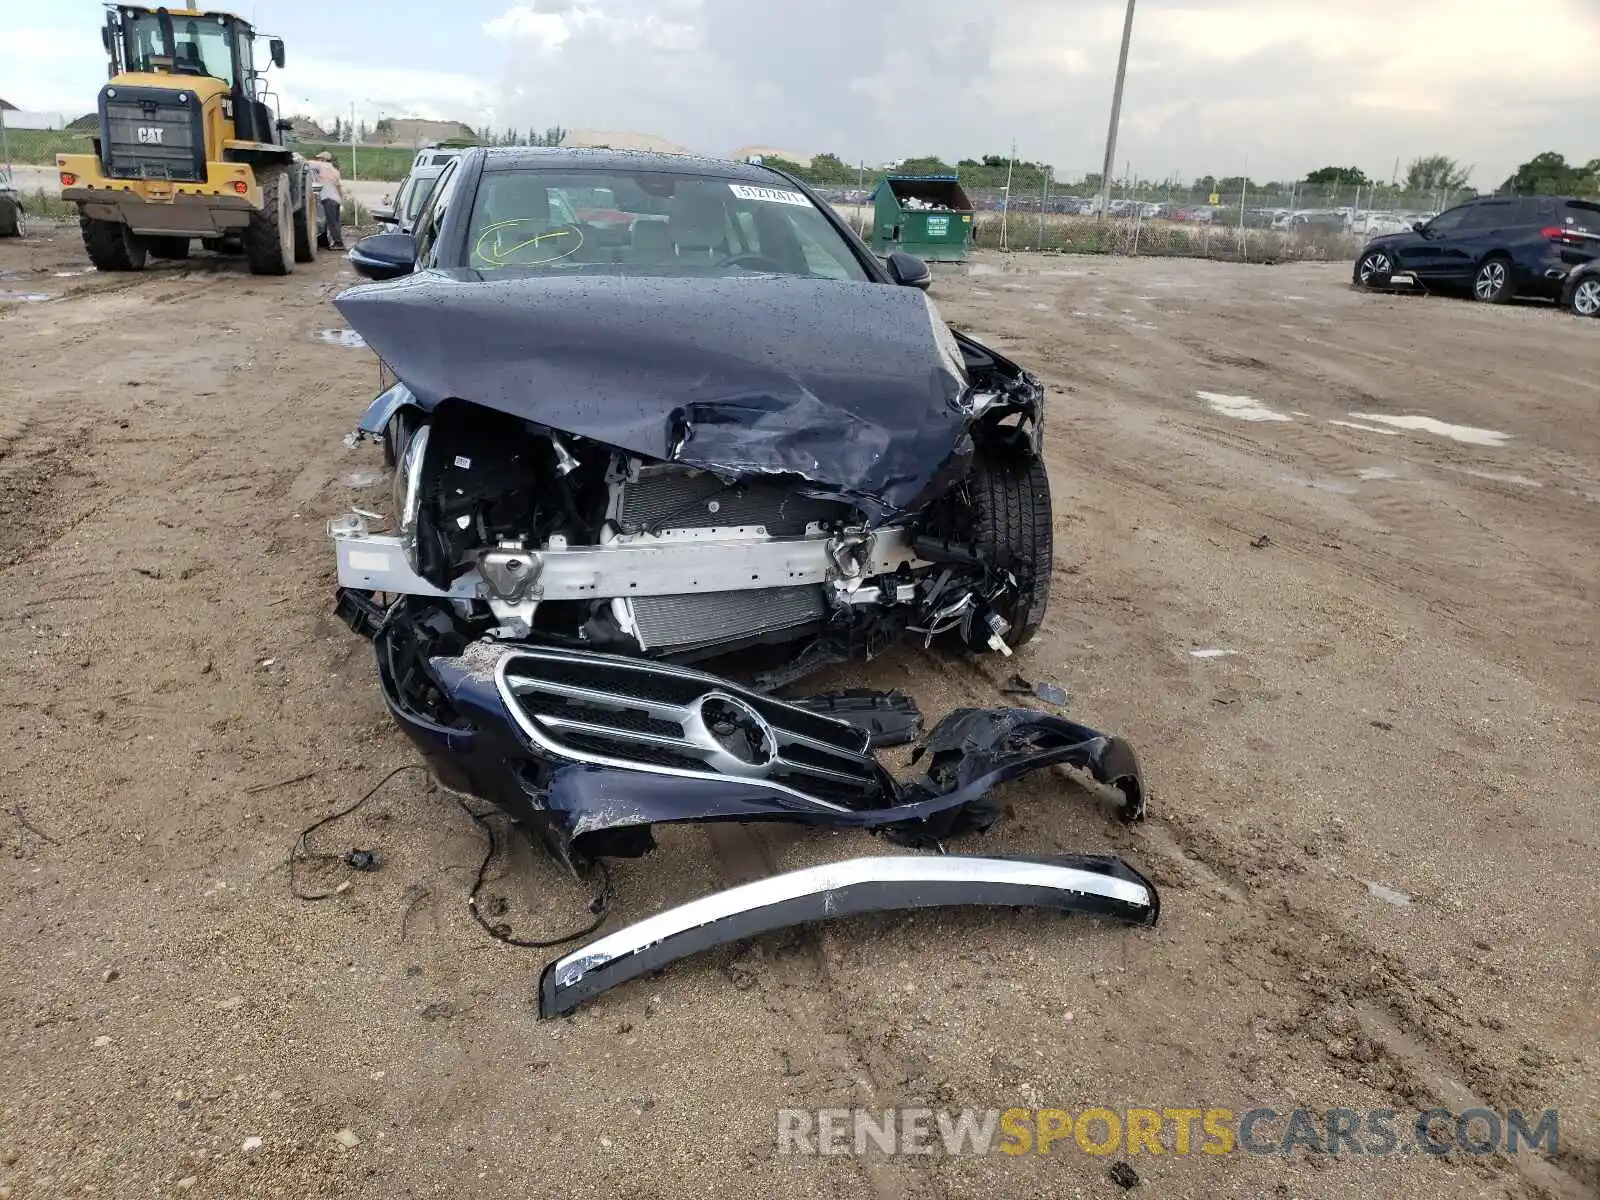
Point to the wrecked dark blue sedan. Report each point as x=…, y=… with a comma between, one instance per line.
x=667, y=437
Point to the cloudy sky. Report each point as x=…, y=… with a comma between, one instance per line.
x=1289, y=85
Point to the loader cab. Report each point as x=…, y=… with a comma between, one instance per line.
x=192, y=45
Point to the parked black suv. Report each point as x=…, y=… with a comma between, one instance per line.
x=1499, y=246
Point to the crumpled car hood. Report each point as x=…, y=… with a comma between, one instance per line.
x=848, y=388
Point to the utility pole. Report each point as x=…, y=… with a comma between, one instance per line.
x=1116, y=114
x=1005, y=210
x=1044, y=199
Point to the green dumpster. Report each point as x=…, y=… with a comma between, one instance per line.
x=926, y=215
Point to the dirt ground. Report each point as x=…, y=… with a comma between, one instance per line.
x=1410, y=699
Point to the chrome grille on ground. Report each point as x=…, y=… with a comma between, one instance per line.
x=642, y=715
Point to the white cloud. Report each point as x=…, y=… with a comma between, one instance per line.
x=1289, y=84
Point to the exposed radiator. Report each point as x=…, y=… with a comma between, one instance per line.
x=664, y=499
x=689, y=622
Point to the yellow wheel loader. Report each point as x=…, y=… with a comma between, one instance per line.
x=189, y=147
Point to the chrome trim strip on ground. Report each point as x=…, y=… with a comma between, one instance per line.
x=1089, y=883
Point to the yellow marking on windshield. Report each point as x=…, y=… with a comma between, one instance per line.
x=500, y=256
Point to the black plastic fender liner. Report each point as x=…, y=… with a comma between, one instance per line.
x=1101, y=884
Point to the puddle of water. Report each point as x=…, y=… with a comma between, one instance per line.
x=1500, y=477
x=362, y=479
x=341, y=337
x=1377, y=473
x=26, y=297
x=1321, y=485
x=1211, y=652
x=1459, y=433
x=1078, y=312
x=68, y=274
x=1364, y=428
x=1241, y=408
x=1064, y=274
x=1041, y=307
x=1388, y=895
x=982, y=269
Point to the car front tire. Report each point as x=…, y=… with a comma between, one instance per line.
x=1012, y=528
x=1585, y=299
x=1374, y=269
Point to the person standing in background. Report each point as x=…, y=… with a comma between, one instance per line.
x=332, y=199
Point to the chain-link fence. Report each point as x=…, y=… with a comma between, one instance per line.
x=1229, y=218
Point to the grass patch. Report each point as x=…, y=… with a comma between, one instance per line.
x=39, y=147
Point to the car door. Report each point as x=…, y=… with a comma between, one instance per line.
x=1489, y=227
x=1448, y=258
x=1424, y=252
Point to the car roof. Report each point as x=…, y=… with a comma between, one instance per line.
x=522, y=158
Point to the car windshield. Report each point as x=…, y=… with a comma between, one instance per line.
x=651, y=223
x=200, y=45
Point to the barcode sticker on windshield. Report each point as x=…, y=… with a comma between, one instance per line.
x=771, y=195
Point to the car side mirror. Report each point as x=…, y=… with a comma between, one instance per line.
x=908, y=270
x=1419, y=227
x=275, y=48
x=384, y=216
x=384, y=256
x=105, y=37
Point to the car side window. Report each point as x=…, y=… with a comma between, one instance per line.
x=432, y=217
x=1538, y=210
x=1492, y=214
x=1450, y=221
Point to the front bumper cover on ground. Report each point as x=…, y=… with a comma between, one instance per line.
x=1098, y=884
x=592, y=750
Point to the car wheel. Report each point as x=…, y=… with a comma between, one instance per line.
x=1586, y=297
x=1374, y=270
x=1012, y=528
x=1492, y=283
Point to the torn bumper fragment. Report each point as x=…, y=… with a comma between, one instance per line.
x=1099, y=884
x=592, y=750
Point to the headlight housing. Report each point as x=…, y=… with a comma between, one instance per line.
x=408, y=492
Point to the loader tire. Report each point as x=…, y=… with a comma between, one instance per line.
x=112, y=246
x=11, y=220
x=168, y=247
x=1012, y=528
x=305, y=223
x=269, y=238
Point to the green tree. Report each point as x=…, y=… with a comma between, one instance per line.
x=927, y=164
x=830, y=168
x=1339, y=176
x=1549, y=174
x=1436, y=173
